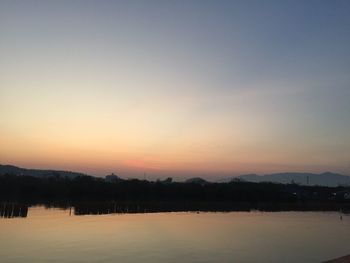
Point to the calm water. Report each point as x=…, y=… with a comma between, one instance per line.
x=52, y=235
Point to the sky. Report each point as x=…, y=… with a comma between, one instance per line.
x=175, y=88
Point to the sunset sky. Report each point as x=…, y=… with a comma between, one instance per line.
x=175, y=88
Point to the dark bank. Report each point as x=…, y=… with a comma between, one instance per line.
x=91, y=195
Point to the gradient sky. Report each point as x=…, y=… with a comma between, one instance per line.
x=175, y=88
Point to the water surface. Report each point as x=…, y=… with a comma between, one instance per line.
x=56, y=235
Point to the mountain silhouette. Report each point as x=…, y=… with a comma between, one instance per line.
x=323, y=179
x=10, y=169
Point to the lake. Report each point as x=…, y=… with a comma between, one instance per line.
x=57, y=235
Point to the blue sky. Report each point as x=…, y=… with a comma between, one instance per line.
x=176, y=87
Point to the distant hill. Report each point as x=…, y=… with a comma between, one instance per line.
x=196, y=180
x=10, y=169
x=323, y=179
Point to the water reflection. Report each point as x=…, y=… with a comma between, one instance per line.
x=11, y=210
x=51, y=235
x=97, y=208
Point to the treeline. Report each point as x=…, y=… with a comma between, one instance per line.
x=86, y=188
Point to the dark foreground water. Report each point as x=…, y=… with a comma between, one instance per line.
x=56, y=235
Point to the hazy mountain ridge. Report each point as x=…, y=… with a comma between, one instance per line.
x=11, y=169
x=324, y=179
